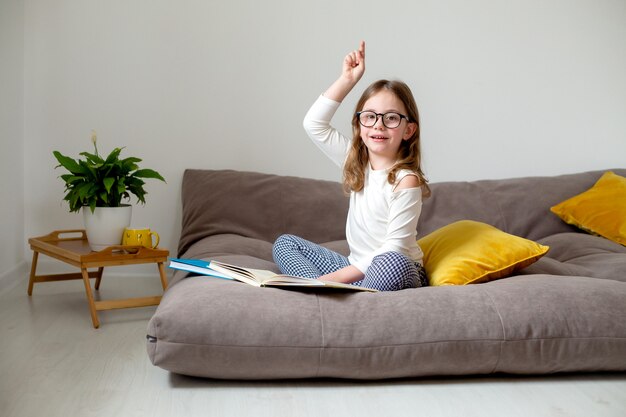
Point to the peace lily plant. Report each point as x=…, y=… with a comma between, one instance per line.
x=100, y=183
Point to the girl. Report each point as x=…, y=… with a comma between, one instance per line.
x=381, y=170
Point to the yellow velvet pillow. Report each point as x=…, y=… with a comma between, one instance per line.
x=468, y=252
x=600, y=210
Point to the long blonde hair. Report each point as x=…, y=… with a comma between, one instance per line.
x=409, y=154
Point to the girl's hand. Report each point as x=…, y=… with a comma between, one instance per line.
x=351, y=73
x=346, y=275
x=354, y=64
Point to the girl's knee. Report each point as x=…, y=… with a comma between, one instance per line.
x=286, y=246
x=394, y=271
x=394, y=261
x=282, y=241
x=280, y=244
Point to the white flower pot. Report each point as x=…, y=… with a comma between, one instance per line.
x=105, y=226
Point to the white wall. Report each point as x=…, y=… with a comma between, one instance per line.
x=11, y=140
x=505, y=88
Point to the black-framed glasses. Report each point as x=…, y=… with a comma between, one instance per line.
x=391, y=119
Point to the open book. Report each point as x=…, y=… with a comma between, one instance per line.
x=256, y=277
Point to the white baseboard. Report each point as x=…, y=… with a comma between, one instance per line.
x=12, y=277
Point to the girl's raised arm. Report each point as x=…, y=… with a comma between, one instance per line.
x=352, y=71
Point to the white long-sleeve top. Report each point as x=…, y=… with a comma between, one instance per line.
x=379, y=219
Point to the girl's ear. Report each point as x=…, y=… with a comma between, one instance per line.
x=409, y=131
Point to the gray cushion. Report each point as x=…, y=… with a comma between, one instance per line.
x=260, y=206
x=565, y=313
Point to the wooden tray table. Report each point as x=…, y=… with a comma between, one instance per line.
x=74, y=249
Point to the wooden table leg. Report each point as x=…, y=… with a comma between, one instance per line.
x=99, y=277
x=33, y=268
x=92, y=305
x=163, y=275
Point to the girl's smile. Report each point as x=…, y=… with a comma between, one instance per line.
x=378, y=138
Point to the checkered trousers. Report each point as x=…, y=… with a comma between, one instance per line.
x=390, y=271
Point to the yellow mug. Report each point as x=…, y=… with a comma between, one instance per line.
x=140, y=237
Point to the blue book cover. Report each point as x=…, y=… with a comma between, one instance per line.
x=197, y=266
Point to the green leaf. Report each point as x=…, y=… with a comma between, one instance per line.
x=108, y=183
x=68, y=163
x=140, y=196
x=86, y=190
x=129, y=167
x=131, y=160
x=93, y=159
x=148, y=173
x=72, y=198
x=90, y=172
x=113, y=156
x=70, y=179
x=135, y=182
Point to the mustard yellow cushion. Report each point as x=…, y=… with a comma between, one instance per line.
x=469, y=252
x=600, y=210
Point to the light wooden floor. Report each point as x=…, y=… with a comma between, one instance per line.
x=53, y=363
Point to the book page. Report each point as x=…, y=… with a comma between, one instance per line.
x=250, y=276
x=292, y=280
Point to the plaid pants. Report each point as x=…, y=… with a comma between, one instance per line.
x=390, y=271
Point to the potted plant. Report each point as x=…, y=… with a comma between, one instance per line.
x=97, y=186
